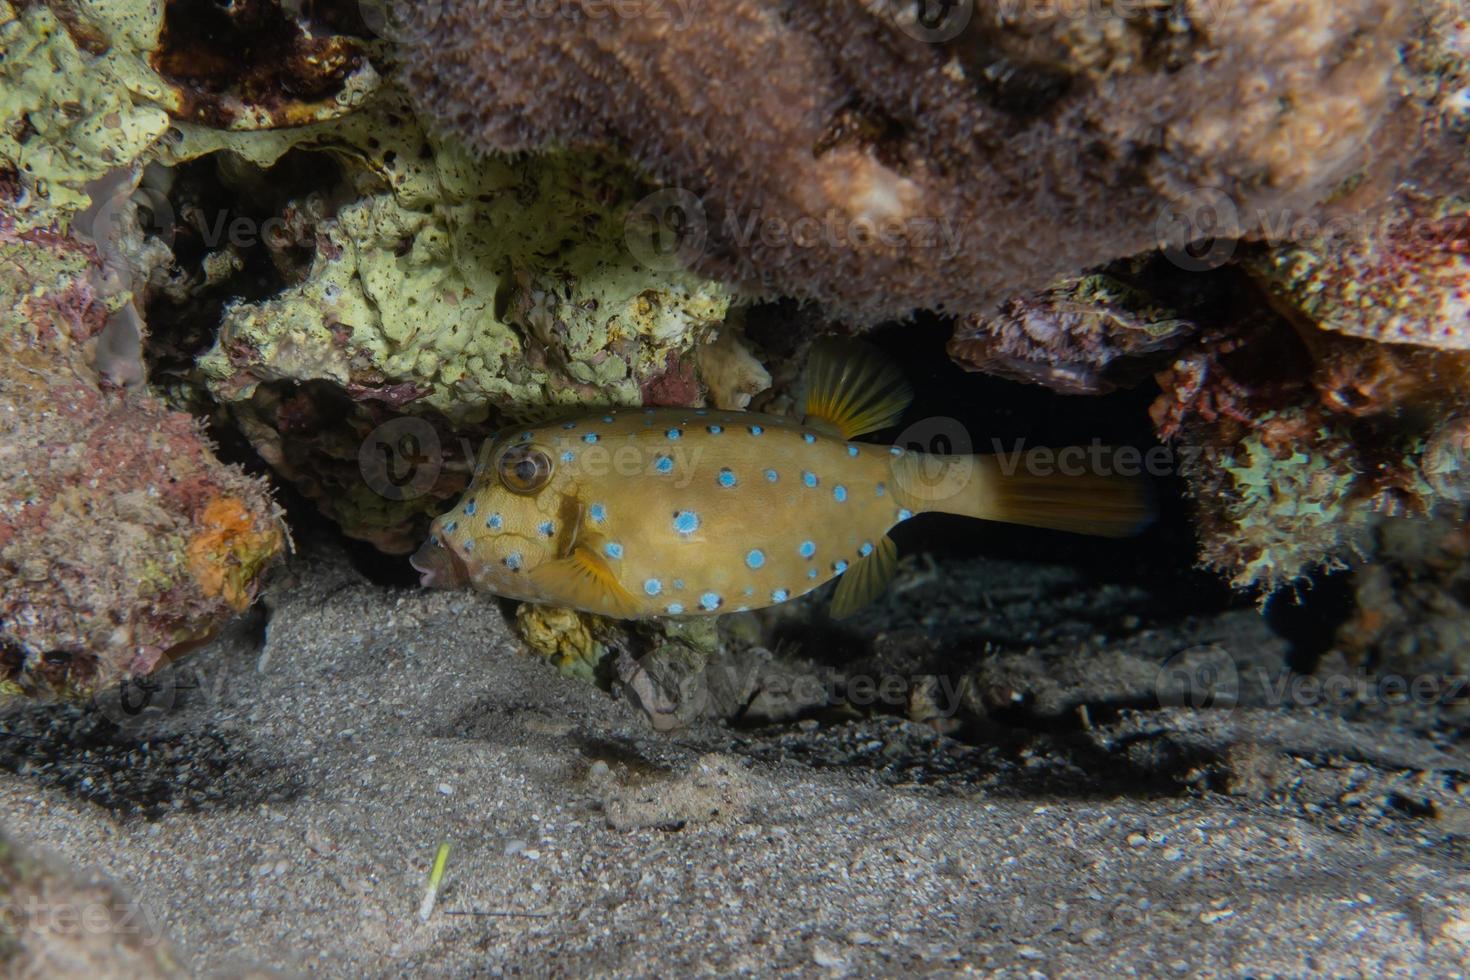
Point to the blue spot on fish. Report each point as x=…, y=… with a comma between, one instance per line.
x=866, y=549
x=780, y=595
x=904, y=513
x=710, y=601
x=701, y=411
x=607, y=418
x=449, y=528
x=613, y=549
x=674, y=433
x=714, y=430
x=513, y=561
x=653, y=586
x=809, y=478
x=590, y=437
x=469, y=544
x=469, y=509
x=547, y=528
x=895, y=451
x=727, y=478
x=852, y=451
x=494, y=522
x=755, y=559
x=568, y=456
x=686, y=522
x=807, y=549
x=679, y=584
x=808, y=438
x=597, y=512
x=811, y=573
x=569, y=425
x=772, y=476
x=839, y=493
x=676, y=609
x=880, y=489
x=756, y=430
x=664, y=464
x=839, y=566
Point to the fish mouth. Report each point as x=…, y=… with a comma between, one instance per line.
x=439, y=567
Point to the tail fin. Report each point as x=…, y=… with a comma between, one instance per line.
x=982, y=487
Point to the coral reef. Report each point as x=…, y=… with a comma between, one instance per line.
x=1084, y=336
x=850, y=160
x=1403, y=281
x=447, y=289
x=1411, y=622
x=121, y=537
x=312, y=265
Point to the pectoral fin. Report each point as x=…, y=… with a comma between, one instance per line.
x=585, y=580
x=865, y=580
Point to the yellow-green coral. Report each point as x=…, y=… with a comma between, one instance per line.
x=564, y=636
x=502, y=283
x=68, y=117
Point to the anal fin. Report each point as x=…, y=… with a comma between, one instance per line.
x=865, y=580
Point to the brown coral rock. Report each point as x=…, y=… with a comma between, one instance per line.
x=1082, y=336
x=121, y=536
x=842, y=158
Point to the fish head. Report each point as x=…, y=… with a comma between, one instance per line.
x=521, y=511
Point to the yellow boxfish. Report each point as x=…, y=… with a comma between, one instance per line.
x=684, y=512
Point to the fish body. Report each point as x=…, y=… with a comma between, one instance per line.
x=694, y=512
x=686, y=512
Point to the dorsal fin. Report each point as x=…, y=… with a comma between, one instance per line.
x=852, y=387
x=583, y=579
x=865, y=580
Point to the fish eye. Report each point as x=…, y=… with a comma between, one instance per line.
x=524, y=469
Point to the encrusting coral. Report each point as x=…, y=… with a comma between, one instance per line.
x=121, y=537
x=840, y=152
